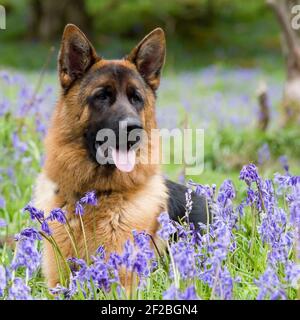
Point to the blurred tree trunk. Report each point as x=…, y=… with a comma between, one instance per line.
x=210, y=12
x=291, y=50
x=48, y=17
x=264, y=109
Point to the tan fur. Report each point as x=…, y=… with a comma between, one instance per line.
x=127, y=201
x=44, y=193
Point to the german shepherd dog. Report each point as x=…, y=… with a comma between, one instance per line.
x=96, y=94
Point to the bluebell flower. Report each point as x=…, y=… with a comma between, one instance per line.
x=140, y=265
x=252, y=197
x=226, y=192
x=101, y=273
x=76, y=262
x=189, y=294
x=79, y=210
x=205, y=190
x=183, y=253
x=3, y=280
x=29, y=233
x=101, y=252
x=61, y=290
x=166, y=226
x=3, y=223
x=294, y=204
x=45, y=227
x=284, y=162
x=115, y=260
x=18, y=144
x=188, y=203
x=249, y=174
x=127, y=256
x=282, y=182
x=292, y=273
x=89, y=198
x=19, y=290
x=182, y=231
x=11, y=174
x=240, y=208
x=270, y=286
x=2, y=203
x=138, y=256
x=264, y=154
x=141, y=239
x=142, y=242
x=27, y=256
x=295, y=180
x=35, y=214
x=171, y=293
x=58, y=215
x=224, y=287
x=268, y=194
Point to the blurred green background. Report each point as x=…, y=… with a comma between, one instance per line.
x=199, y=32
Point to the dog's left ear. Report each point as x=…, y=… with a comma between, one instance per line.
x=149, y=57
x=76, y=56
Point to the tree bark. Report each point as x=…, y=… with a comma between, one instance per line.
x=291, y=50
x=264, y=109
x=48, y=17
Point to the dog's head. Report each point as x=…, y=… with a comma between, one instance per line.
x=102, y=96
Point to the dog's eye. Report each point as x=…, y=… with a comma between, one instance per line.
x=135, y=98
x=103, y=94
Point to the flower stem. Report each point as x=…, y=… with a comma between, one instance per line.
x=72, y=241
x=215, y=282
x=176, y=276
x=71, y=232
x=207, y=217
x=94, y=229
x=58, y=251
x=253, y=230
x=84, y=239
x=157, y=250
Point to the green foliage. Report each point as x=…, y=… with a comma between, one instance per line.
x=226, y=150
x=183, y=16
x=199, y=32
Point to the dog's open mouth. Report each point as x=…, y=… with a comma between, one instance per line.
x=123, y=158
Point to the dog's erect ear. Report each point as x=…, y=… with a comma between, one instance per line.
x=76, y=56
x=149, y=57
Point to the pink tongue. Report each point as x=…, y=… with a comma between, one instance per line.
x=124, y=160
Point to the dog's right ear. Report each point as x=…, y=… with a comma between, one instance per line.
x=76, y=56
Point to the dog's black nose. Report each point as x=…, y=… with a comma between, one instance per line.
x=131, y=124
x=132, y=127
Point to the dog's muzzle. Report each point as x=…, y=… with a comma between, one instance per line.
x=119, y=147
